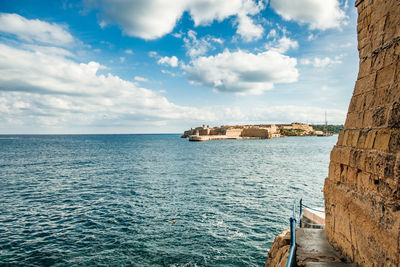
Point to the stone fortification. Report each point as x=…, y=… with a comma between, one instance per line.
x=255, y=132
x=362, y=191
x=235, y=132
x=261, y=131
x=295, y=125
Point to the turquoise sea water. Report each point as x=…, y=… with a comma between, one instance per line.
x=151, y=200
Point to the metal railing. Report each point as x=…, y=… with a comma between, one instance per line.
x=301, y=222
x=291, y=262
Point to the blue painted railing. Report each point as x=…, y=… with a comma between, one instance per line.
x=292, y=253
x=291, y=262
x=301, y=222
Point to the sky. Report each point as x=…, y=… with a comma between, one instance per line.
x=158, y=66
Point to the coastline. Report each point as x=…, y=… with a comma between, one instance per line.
x=261, y=131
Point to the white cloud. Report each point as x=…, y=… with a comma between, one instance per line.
x=217, y=40
x=321, y=62
x=144, y=19
x=346, y=4
x=285, y=44
x=168, y=72
x=318, y=14
x=102, y=24
x=153, y=54
x=34, y=30
x=272, y=34
x=169, y=61
x=140, y=79
x=122, y=59
x=166, y=61
x=348, y=44
x=248, y=30
x=242, y=72
x=196, y=47
x=177, y=35
x=128, y=51
x=50, y=50
x=239, y=115
x=292, y=113
x=153, y=19
x=282, y=45
x=279, y=114
x=47, y=89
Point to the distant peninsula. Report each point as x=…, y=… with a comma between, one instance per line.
x=259, y=131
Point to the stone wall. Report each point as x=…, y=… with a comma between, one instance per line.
x=204, y=131
x=307, y=128
x=300, y=126
x=234, y=132
x=362, y=191
x=217, y=131
x=255, y=132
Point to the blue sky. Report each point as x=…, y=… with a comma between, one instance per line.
x=156, y=66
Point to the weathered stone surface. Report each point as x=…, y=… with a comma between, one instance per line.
x=366, y=229
x=394, y=116
x=279, y=252
x=385, y=76
x=382, y=139
x=362, y=191
x=365, y=84
x=379, y=116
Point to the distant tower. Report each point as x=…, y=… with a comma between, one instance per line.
x=326, y=126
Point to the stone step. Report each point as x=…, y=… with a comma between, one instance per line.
x=314, y=248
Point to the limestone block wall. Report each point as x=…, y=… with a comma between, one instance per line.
x=362, y=191
x=272, y=129
x=234, y=132
x=204, y=131
x=217, y=131
x=255, y=132
x=303, y=126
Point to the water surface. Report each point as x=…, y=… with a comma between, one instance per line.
x=151, y=200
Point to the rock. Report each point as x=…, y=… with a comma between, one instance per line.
x=279, y=252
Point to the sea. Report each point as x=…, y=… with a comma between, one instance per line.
x=152, y=200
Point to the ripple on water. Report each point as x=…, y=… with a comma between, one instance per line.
x=151, y=199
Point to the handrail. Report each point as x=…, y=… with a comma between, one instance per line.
x=291, y=262
x=301, y=215
x=314, y=224
x=301, y=212
x=317, y=210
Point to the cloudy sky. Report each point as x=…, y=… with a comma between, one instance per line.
x=157, y=66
